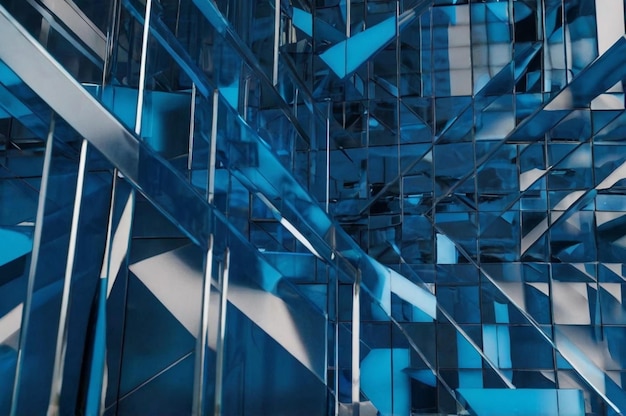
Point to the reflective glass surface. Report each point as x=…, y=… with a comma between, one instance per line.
x=312, y=207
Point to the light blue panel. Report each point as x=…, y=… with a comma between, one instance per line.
x=446, y=251
x=335, y=58
x=13, y=245
x=387, y=387
x=303, y=21
x=571, y=402
x=231, y=93
x=471, y=378
x=122, y=102
x=346, y=56
x=503, y=336
x=490, y=342
x=524, y=402
x=504, y=346
x=468, y=356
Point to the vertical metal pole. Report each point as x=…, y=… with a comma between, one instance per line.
x=203, y=340
x=246, y=97
x=192, y=126
x=328, y=318
x=114, y=14
x=142, y=67
x=219, y=371
x=213, y=150
x=61, y=344
x=290, y=32
x=95, y=390
x=203, y=336
x=276, y=40
x=345, y=50
x=32, y=271
x=348, y=20
x=329, y=103
x=327, y=207
x=356, y=338
x=44, y=32
x=296, y=96
x=336, y=343
x=399, y=111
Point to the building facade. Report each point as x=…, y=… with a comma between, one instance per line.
x=409, y=207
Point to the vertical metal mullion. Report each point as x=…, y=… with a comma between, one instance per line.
x=202, y=340
x=142, y=67
x=399, y=112
x=213, y=149
x=61, y=343
x=192, y=126
x=203, y=336
x=44, y=32
x=356, y=338
x=276, y=41
x=328, y=112
x=335, y=273
x=221, y=333
x=398, y=166
x=95, y=391
x=94, y=403
x=123, y=271
x=32, y=271
x=114, y=13
x=246, y=97
x=348, y=20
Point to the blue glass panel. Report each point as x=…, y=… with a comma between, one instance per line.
x=423, y=201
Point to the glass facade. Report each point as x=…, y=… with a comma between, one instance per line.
x=287, y=207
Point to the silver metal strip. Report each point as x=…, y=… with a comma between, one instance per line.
x=96, y=392
x=348, y=20
x=44, y=32
x=399, y=108
x=192, y=126
x=202, y=341
x=142, y=67
x=112, y=32
x=213, y=150
x=203, y=337
x=328, y=111
x=246, y=98
x=32, y=271
x=356, y=338
x=221, y=334
x=61, y=344
x=336, y=343
x=276, y=41
x=96, y=386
